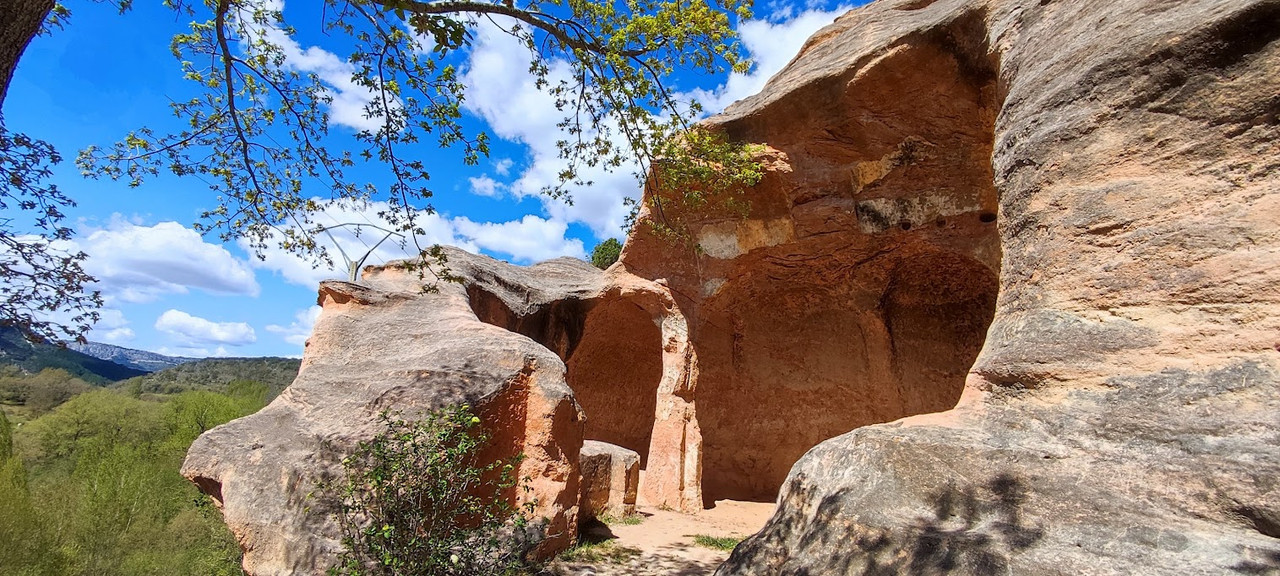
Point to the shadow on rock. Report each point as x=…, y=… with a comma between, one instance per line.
x=973, y=529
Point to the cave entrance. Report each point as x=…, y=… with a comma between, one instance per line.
x=612, y=349
x=876, y=305
x=615, y=372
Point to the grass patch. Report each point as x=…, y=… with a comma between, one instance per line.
x=628, y=520
x=725, y=543
x=607, y=551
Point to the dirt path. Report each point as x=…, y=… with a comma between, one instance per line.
x=663, y=543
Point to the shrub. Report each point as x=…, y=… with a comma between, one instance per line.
x=606, y=253
x=419, y=500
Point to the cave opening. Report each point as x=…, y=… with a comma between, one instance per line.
x=612, y=350
x=877, y=305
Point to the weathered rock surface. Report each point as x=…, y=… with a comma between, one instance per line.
x=610, y=478
x=1007, y=301
x=1118, y=164
x=382, y=345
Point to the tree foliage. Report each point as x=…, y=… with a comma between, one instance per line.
x=42, y=282
x=606, y=253
x=259, y=132
x=421, y=499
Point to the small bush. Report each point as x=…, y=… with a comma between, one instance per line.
x=606, y=253
x=417, y=500
x=725, y=543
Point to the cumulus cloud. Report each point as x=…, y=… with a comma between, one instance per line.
x=501, y=91
x=112, y=327
x=529, y=239
x=299, y=330
x=771, y=45
x=141, y=263
x=192, y=331
x=349, y=99
x=486, y=186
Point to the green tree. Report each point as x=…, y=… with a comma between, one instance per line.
x=102, y=495
x=606, y=253
x=420, y=499
x=259, y=134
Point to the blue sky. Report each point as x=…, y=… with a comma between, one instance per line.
x=170, y=290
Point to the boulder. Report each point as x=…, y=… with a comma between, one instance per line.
x=384, y=345
x=610, y=477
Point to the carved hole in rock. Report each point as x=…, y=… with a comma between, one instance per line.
x=847, y=324
x=613, y=352
x=615, y=372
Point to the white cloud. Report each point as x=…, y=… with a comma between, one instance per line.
x=112, y=327
x=349, y=99
x=192, y=331
x=501, y=91
x=140, y=263
x=193, y=351
x=486, y=186
x=771, y=45
x=503, y=166
x=356, y=241
x=529, y=239
x=299, y=330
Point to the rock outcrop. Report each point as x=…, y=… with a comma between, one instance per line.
x=610, y=480
x=384, y=345
x=1006, y=301
x=1099, y=181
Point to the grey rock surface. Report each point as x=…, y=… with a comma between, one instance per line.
x=1123, y=416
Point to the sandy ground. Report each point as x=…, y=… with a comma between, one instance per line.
x=665, y=544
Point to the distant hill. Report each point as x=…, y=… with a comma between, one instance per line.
x=138, y=359
x=216, y=373
x=32, y=358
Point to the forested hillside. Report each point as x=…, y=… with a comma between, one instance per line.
x=215, y=374
x=89, y=482
x=31, y=357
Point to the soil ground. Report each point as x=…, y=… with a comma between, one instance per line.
x=662, y=544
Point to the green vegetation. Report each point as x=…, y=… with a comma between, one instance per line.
x=421, y=499
x=606, y=253
x=89, y=481
x=628, y=520
x=216, y=374
x=32, y=357
x=30, y=395
x=726, y=543
x=599, y=552
x=92, y=487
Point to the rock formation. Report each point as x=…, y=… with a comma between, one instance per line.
x=1006, y=301
x=610, y=480
x=1118, y=164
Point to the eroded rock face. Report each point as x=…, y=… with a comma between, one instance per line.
x=610, y=480
x=860, y=285
x=382, y=345
x=1117, y=164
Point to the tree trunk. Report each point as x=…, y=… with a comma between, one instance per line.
x=20, y=20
